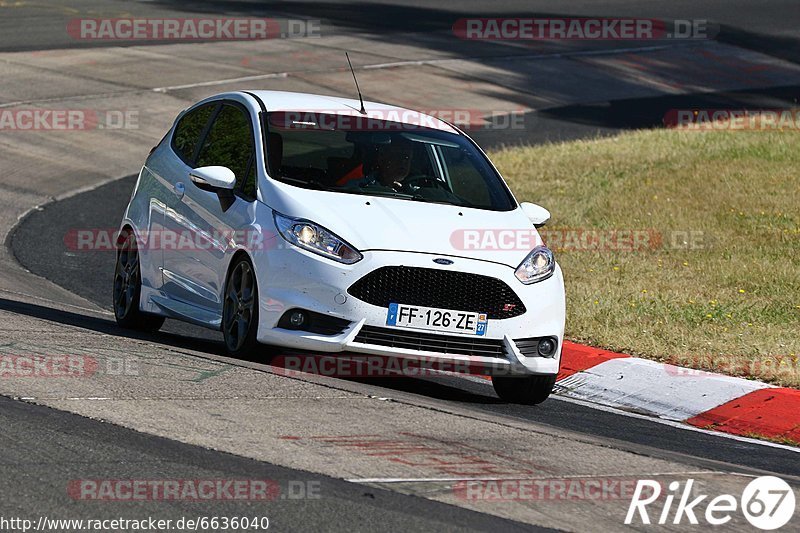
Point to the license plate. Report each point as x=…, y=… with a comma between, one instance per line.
x=418, y=317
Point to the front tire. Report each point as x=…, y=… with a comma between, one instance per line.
x=527, y=390
x=128, y=288
x=240, y=309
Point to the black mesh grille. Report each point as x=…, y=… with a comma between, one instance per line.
x=528, y=347
x=444, y=289
x=431, y=342
x=327, y=325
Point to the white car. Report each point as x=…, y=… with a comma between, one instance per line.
x=312, y=223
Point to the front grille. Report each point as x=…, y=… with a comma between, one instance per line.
x=528, y=347
x=431, y=342
x=327, y=325
x=444, y=289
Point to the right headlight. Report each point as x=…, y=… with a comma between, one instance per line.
x=314, y=238
x=537, y=266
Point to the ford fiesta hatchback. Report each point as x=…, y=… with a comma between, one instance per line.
x=311, y=223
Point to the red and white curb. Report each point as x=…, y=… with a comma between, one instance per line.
x=702, y=399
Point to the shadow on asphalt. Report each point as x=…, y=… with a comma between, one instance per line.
x=423, y=387
x=393, y=21
x=108, y=326
x=433, y=389
x=642, y=113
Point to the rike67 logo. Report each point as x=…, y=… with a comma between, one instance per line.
x=767, y=502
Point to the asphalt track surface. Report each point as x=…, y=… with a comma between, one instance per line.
x=65, y=443
x=38, y=244
x=772, y=27
x=34, y=485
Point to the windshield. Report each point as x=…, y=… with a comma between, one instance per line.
x=364, y=155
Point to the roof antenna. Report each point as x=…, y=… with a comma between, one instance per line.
x=363, y=111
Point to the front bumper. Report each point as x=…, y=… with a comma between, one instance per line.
x=291, y=278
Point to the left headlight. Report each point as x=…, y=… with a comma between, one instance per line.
x=314, y=238
x=539, y=265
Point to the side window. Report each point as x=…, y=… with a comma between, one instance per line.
x=249, y=186
x=466, y=180
x=230, y=143
x=188, y=131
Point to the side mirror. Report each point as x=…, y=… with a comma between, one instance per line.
x=213, y=178
x=536, y=213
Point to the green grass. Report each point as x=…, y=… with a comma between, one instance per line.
x=729, y=300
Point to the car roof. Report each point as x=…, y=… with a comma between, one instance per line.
x=317, y=103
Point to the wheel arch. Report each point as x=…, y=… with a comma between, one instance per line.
x=238, y=254
x=125, y=226
x=234, y=258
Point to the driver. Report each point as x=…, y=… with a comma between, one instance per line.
x=390, y=166
x=393, y=164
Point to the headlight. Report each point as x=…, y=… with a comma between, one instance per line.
x=539, y=265
x=314, y=238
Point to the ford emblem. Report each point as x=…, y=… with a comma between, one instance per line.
x=442, y=261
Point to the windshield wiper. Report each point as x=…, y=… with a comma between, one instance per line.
x=413, y=197
x=308, y=184
x=418, y=198
x=316, y=185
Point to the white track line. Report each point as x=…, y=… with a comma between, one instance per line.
x=515, y=478
x=554, y=55
x=419, y=62
x=375, y=66
x=222, y=82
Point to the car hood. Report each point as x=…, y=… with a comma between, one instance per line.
x=380, y=223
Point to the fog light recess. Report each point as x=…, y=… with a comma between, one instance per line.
x=546, y=348
x=537, y=346
x=297, y=319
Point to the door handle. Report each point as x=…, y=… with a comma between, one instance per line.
x=179, y=189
